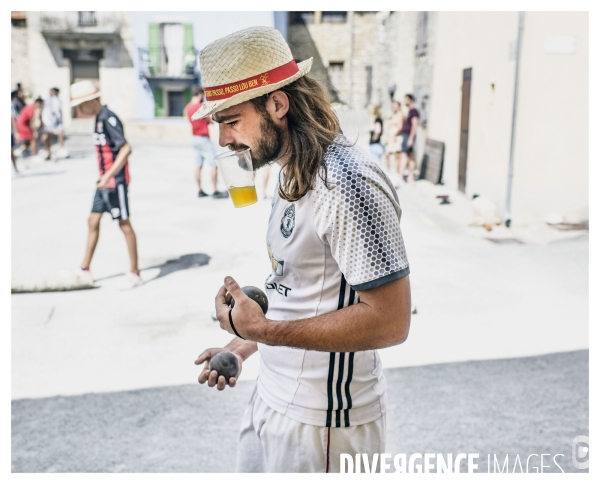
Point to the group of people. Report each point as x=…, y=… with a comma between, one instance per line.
x=399, y=142
x=39, y=121
x=339, y=287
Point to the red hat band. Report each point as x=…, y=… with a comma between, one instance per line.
x=225, y=91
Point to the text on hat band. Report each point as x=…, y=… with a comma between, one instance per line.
x=225, y=91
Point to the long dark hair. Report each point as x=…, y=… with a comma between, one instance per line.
x=312, y=126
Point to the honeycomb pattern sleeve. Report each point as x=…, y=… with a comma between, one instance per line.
x=358, y=216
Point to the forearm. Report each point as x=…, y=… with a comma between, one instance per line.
x=413, y=129
x=120, y=160
x=243, y=348
x=354, y=328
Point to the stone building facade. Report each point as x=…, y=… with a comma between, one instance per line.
x=460, y=66
x=54, y=49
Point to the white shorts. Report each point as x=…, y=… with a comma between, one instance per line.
x=272, y=442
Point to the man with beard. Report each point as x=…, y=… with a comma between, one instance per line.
x=339, y=286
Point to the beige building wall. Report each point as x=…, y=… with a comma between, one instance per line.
x=43, y=71
x=19, y=65
x=481, y=41
x=551, y=168
x=46, y=69
x=364, y=46
x=117, y=84
x=551, y=145
x=395, y=56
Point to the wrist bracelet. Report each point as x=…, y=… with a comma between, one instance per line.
x=233, y=327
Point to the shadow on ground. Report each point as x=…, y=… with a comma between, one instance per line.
x=182, y=263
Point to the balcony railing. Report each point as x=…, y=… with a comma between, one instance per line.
x=163, y=62
x=80, y=21
x=86, y=19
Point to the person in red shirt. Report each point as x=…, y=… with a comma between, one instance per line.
x=111, y=187
x=203, y=147
x=26, y=124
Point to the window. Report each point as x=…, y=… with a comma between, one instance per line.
x=18, y=19
x=334, y=17
x=302, y=17
x=86, y=19
x=336, y=75
x=421, y=47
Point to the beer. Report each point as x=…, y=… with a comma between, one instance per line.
x=243, y=196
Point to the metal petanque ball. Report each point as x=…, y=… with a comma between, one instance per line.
x=225, y=364
x=256, y=295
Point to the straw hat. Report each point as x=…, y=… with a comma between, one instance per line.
x=83, y=91
x=245, y=65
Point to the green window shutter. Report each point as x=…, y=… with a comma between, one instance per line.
x=189, y=54
x=159, y=107
x=154, y=46
x=187, y=95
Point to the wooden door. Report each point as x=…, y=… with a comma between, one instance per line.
x=464, y=129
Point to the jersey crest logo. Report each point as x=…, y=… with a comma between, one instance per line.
x=112, y=120
x=288, y=221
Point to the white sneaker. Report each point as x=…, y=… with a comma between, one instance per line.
x=63, y=153
x=83, y=277
x=133, y=280
x=18, y=152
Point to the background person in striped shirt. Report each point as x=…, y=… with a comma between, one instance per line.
x=111, y=187
x=338, y=288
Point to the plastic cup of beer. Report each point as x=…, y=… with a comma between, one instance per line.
x=238, y=173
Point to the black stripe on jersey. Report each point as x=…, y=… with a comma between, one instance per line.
x=332, y=367
x=338, y=391
x=348, y=397
x=330, y=389
x=342, y=297
x=350, y=370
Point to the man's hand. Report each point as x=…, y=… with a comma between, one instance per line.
x=212, y=377
x=103, y=181
x=409, y=143
x=246, y=312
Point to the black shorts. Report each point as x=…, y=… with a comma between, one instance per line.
x=113, y=201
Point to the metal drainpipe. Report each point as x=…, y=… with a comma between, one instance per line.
x=507, y=214
x=351, y=66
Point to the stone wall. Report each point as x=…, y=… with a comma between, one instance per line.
x=38, y=61
x=325, y=43
x=19, y=59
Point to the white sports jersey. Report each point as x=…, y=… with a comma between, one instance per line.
x=324, y=247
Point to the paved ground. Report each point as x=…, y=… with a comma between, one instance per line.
x=508, y=407
x=476, y=299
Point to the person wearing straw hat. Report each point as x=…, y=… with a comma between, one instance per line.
x=339, y=286
x=112, y=185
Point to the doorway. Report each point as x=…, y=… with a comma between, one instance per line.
x=175, y=103
x=85, y=65
x=464, y=129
